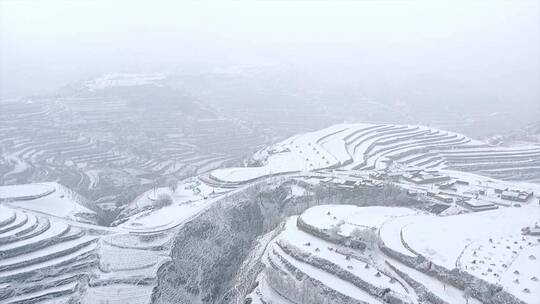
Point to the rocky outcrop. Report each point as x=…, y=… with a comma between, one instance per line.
x=207, y=254
x=212, y=252
x=245, y=280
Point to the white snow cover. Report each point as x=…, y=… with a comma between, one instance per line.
x=351, y=217
x=486, y=244
x=326, y=250
x=298, y=191
x=43, y=252
x=442, y=239
x=332, y=281
x=54, y=231
x=165, y=218
x=119, y=293
x=357, y=266
x=298, y=153
x=190, y=198
x=24, y=191
x=528, y=265
x=5, y=214
x=493, y=237
x=30, y=223
x=62, y=202
x=343, y=145
x=122, y=80
x=391, y=230
x=246, y=174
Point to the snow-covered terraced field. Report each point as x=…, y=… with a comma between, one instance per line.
x=122, y=80
x=48, y=254
x=25, y=192
x=93, y=142
x=320, y=246
x=189, y=198
x=350, y=217
x=49, y=198
x=485, y=244
x=448, y=236
x=382, y=147
x=119, y=294
x=41, y=258
x=298, y=258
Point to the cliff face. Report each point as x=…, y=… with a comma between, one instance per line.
x=215, y=251
x=207, y=254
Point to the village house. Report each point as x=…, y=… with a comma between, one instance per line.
x=516, y=195
x=425, y=178
x=477, y=204
x=534, y=230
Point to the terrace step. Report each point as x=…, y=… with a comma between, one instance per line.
x=56, y=234
x=13, y=290
x=7, y=220
x=19, y=221
x=45, y=254
x=35, y=297
x=81, y=259
x=30, y=225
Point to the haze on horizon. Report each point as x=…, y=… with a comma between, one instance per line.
x=483, y=53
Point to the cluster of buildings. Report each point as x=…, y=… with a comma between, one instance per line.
x=349, y=183
x=442, y=189
x=447, y=190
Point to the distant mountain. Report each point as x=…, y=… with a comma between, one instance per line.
x=151, y=92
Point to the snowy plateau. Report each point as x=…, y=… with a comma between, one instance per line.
x=353, y=213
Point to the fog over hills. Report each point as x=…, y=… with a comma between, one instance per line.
x=269, y=152
x=431, y=62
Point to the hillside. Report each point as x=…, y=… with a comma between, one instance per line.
x=409, y=254
x=365, y=147
x=111, y=137
x=354, y=213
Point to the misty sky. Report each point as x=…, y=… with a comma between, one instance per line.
x=488, y=45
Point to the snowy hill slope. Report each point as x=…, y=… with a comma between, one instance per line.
x=122, y=80
x=50, y=199
x=382, y=147
x=449, y=224
x=42, y=257
x=317, y=257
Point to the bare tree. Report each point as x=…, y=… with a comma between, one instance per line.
x=334, y=231
x=163, y=200
x=173, y=185
x=368, y=236
x=467, y=292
